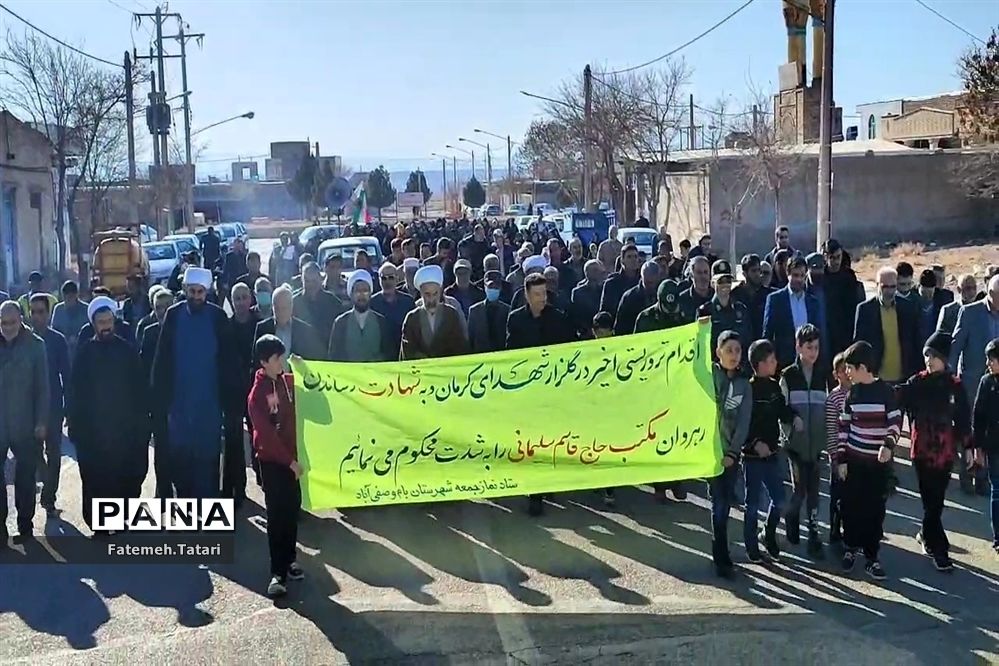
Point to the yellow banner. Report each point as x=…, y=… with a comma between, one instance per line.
x=595, y=414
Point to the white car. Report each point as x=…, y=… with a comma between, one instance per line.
x=185, y=242
x=544, y=209
x=647, y=240
x=348, y=247
x=515, y=210
x=239, y=231
x=524, y=222
x=163, y=257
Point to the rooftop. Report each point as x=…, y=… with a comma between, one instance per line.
x=861, y=147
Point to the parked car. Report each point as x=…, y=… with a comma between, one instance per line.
x=240, y=230
x=492, y=210
x=515, y=210
x=543, y=209
x=524, y=222
x=312, y=237
x=348, y=247
x=163, y=257
x=185, y=242
x=225, y=239
x=647, y=240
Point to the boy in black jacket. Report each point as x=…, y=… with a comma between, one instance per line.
x=986, y=428
x=761, y=465
x=940, y=420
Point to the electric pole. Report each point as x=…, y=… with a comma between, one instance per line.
x=164, y=150
x=824, y=214
x=133, y=205
x=588, y=134
x=509, y=170
x=693, y=144
x=188, y=164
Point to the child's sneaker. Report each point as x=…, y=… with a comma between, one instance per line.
x=276, y=588
x=295, y=572
x=849, y=559
x=755, y=556
x=875, y=570
x=943, y=562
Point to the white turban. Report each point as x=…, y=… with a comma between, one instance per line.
x=410, y=263
x=155, y=289
x=359, y=276
x=428, y=275
x=197, y=275
x=535, y=262
x=100, y=303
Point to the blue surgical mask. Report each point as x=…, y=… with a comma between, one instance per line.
x=264, y=299
x=492, y=294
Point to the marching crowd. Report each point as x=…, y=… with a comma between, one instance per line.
x=807, y=369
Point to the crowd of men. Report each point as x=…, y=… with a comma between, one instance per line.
x=174, y=363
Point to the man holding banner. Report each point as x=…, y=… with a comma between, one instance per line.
x=433, y=329
x=537, y=324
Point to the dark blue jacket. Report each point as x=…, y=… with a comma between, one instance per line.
x=57, y=358
x=778, y=323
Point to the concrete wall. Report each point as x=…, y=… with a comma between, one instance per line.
x=25, y=169
x=687, y=203
x=875, y=199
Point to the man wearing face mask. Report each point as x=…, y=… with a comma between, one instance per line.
x=109, y=416
x=161, y=299
x=264, y=297
x=195, y=380
x=584, y=303
x=492, y=263
x=24, y=413
x=487, y=319
x=638, y=298
x=891, y=326
x=361, y=335
x=392, y=304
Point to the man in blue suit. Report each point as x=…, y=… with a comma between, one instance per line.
x=890, y=324
x=789, y=309
x=977, y=325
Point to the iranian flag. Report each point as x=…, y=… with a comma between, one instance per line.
x=361, y=215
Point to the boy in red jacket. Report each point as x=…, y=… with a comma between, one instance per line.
x=272, y=412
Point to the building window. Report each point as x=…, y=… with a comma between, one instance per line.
x=872, y=127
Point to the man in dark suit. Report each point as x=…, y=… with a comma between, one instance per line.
x=789, y=309
x=641, y=296
x=584, y=303
x=891, y=326
x=487, y=319
x=149, y=339
x=300, y=339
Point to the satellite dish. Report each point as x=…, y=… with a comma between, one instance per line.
x=338, y=193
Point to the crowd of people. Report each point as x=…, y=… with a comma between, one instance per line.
x=807, y=369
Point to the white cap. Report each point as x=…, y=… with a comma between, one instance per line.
x=198, y=275
x=410, y=262
x=101, y=303
x=535, y=262
x=429, y=275
x=359, y=276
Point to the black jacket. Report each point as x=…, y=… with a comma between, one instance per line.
x=867, y=327
x=843, y=292
x=147, y=351
x=487, y=326
x=985, y=419
x=305, y=340
x=614, y=289
x=769, y=411
x=756, y=303
x=164, y=362
x=233, y=266
x=584, y=304
x=632, y=303
x=524, y=330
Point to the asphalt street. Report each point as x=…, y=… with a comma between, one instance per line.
x=482, y=583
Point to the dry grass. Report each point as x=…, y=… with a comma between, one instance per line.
x=973, y=259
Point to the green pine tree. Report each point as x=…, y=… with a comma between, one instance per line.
x=379, y=190
x=321, y=181
x=474, y=195
x=300, y=187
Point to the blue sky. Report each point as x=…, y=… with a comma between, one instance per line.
x=389, y=82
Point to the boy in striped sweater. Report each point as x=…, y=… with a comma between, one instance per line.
x=834, y=407
x=869, y=428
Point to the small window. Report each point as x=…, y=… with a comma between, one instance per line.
x=872, y=128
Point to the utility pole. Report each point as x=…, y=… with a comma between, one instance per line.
x=164, y=150
x=693, y=144
x=188, y=165
x=133, y=205
x=756, y=119
x=588, y=132
x=489, y=169
x=824, y=214
x=444, y=177
x=457, y=189
x=509, y=170
x=152, y=100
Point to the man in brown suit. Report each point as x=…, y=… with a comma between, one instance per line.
x=433, y=329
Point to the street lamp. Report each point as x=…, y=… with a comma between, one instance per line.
x=509, y=160
x=488, y=161
x=248, y=115
x=467, y=152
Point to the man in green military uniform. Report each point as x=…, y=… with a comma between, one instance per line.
x=726, y=313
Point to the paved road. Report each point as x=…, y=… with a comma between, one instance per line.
x=481, y=583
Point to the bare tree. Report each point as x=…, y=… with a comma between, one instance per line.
x=978, y=174
x=108, y=164
x=68, y=98
x=550, y=147
x=656, y=124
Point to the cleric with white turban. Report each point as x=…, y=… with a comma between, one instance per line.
x=434, y=328
x=101, y=303
x=535, y=264
x=361, y=335
x=195, y=275
x=361, y=276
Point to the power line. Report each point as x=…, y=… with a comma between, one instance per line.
x=688, y=43
x=57, y=40
x=944, y=18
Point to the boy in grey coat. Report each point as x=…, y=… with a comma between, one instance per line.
x=735, y=409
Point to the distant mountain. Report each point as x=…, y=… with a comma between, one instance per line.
x=434, y=181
